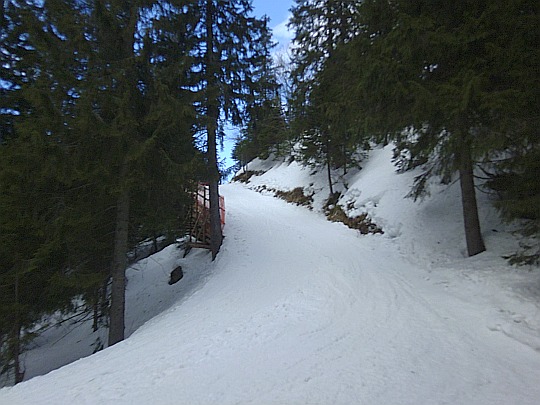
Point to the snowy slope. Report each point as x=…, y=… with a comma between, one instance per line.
x=299, y=310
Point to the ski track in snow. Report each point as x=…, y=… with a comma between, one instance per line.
x=297, y=310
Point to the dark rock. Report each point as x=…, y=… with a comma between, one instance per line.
x=176, y=275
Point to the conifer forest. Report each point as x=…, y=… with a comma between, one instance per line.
x=112, y=111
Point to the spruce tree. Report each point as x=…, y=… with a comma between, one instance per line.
x=108, y=136
x=266, y=128
x=515, y=119
x=320, y=26
x=433, y=76
x=35, y=120
x=127, y=116
x=227, y=43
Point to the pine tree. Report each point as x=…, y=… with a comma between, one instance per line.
x=321, y=26
x=515, y=99
x=107, y=135
x=132, y=116
x=266, y=128
x=226, y=50
x=399, y=60
x=35, y=118
x=437, y=70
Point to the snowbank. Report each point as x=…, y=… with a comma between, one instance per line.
x=299, y=310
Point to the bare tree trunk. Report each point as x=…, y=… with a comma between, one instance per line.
x=473, y=235
x=329, y=172
x=155, y=245
x=2, y=16
x=118, y=287
x=95, y=317
x=104, y=301
x=16, y=337
x=216, y=236
x=19, y=374
x=345, y=160
x=329, y=167
x=212, y=112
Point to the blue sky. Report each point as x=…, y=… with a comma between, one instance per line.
x=278, y=11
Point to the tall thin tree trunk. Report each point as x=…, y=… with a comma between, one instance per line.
x=19, y=374
x=329, y=166
x=118, y=287
x=16, y=337
x=329, y=173
x=95, y=317
x=212, y=112
x=216, y=236
x=104, y=299
x=345, y=159
x=473, y=235
x=2, y=18
x=155, y=244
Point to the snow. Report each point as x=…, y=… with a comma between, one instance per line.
x=299, y=310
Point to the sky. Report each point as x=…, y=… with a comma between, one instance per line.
x=278, y=12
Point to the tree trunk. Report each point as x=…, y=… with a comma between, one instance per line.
x=104, y=300
x=345, y=160
x=329, y=172
x=118, y=287
x=329, y=167
x=16, y=337
x=212, y=112
x=216, y=236
x=215, y=220
x=473, y=235
x=2, y=18
x=95, y=317
x=19, y=374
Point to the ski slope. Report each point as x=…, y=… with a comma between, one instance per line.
x=298, y=310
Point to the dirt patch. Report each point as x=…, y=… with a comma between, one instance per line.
x=296, y=196
x=247, y=175
x=335, y=213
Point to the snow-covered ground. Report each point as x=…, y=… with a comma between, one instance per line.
x=298, y=310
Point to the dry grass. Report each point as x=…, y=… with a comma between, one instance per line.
x=362, y=223
x=246, y=176
x=296, y=196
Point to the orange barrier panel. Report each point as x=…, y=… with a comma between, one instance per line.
x=199, y=230
x=222, y=210
x=203, y=201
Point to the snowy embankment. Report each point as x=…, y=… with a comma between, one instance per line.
x=299, y=310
